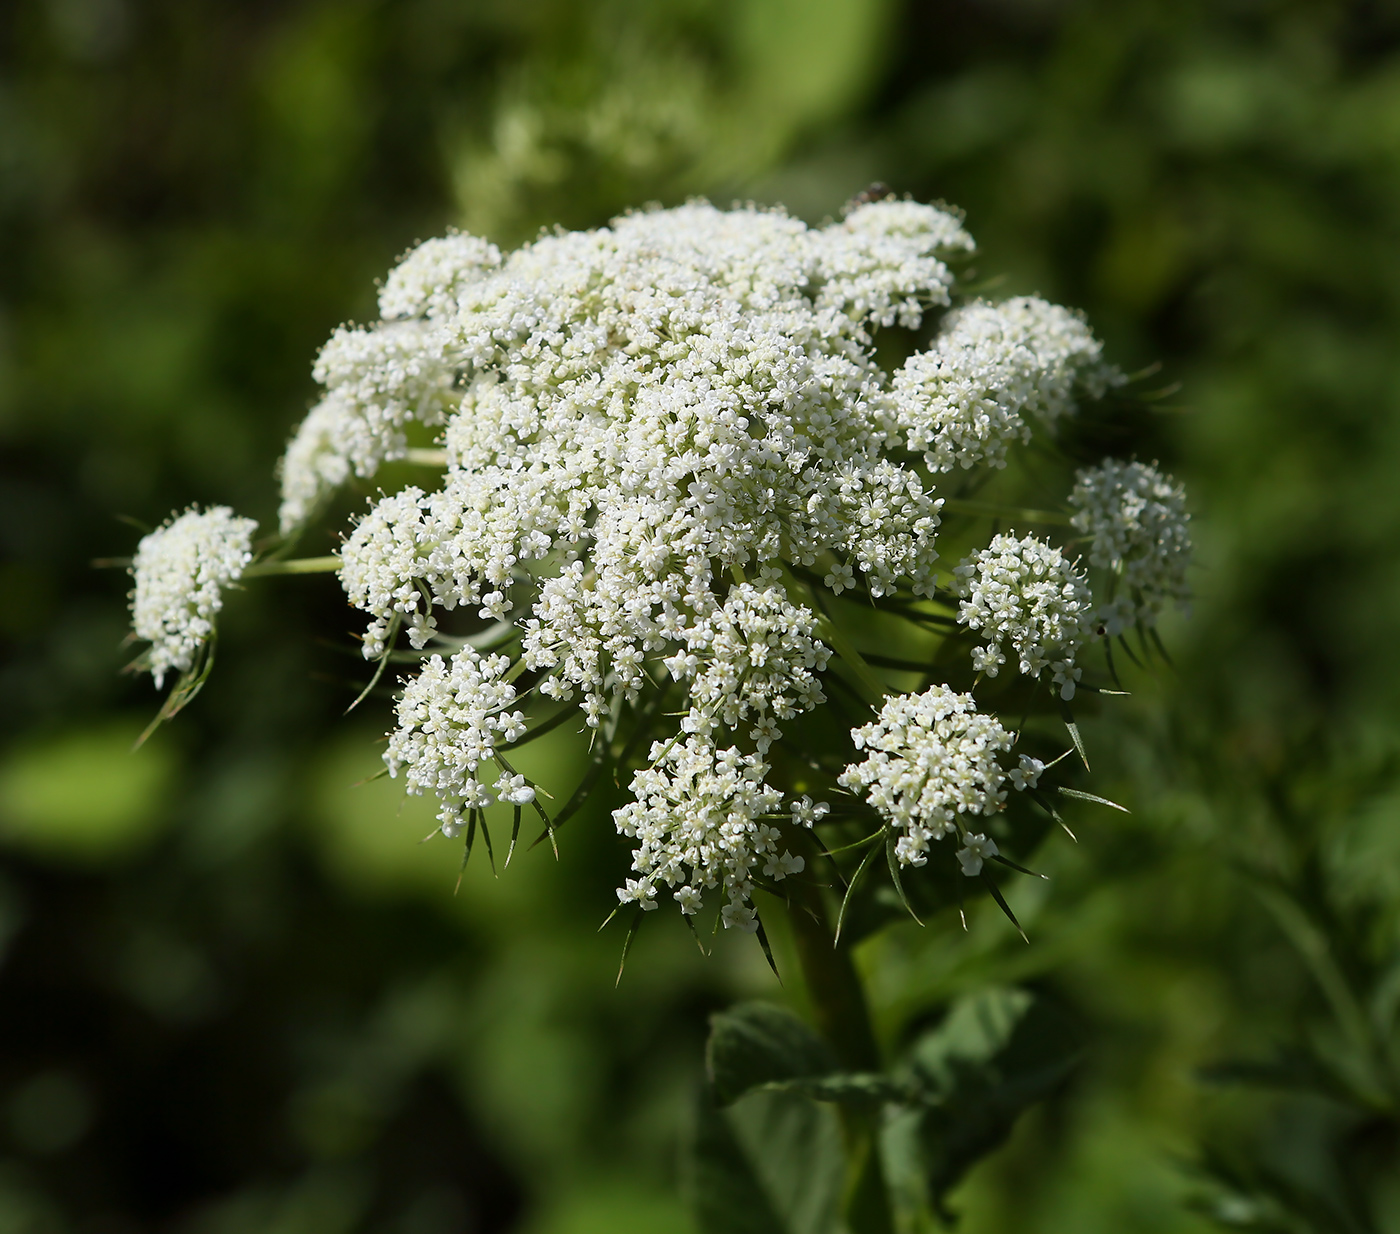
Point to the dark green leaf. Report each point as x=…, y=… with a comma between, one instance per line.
x=725, y=1195
x=753, y=1044
x=996, y=1054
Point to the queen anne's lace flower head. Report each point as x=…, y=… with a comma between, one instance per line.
x=756, y=654
x=932, y=763
x=1135, y=518
x=1025, y=595
x=881, y=263
x=181, y=572
x=655, y=433
x=657, y=436
x=452, y=719
x=647, y=403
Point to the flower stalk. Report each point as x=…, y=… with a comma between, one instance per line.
x=842, y=1015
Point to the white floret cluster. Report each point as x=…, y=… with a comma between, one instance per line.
x=1025, y=594
x=656, y=438
x=182, y=570
x=703, y=818
x=452, y=719
x=932, y=765
x=962, y=401
x=1136, y=520
x=758, y=654
x=653, y=433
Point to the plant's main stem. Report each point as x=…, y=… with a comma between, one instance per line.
x=839, y=1006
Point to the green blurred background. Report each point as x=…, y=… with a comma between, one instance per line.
x=236, y=995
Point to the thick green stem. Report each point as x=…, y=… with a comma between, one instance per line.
x=839, y=1006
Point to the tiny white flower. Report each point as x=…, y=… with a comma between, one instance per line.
x=513, y=790
x=780, y=867
x=739, y=916
x=1027, y=775
x=639, y=891
x=840, y=577
x=976, y=849
x=806, y=812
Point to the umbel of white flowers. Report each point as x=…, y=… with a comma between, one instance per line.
x=658, y=437
x=182, y=570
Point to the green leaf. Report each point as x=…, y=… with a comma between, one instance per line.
x=795, y=1152
x=753, y=1044
x=851, y=890
x=724, y=1193
x=1291, y=1071
x=771, y=1164
x=894, y=875
x=996, y=1054
x=857, y=1088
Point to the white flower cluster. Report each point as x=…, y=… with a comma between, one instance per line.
x=1135, y=517
x=701, y=817
x=652, y=431
x=756, y=653
x=932, y=760
x=181, y=572
x=881, y=264
x=965, y=398
x=1027, y=594
x=451, y=720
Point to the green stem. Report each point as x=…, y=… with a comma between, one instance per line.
x=426, y=458
x=298, y=565
x=842, y=1015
